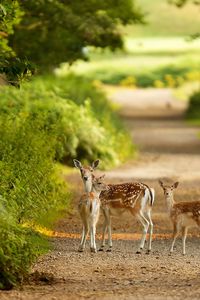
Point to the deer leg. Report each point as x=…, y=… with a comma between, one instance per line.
x=93, y=230
x=184, y=235
x=84, y=236
x=175, y=235
x=148, y=213
x=92, y=236
x=104, y=231
x=145, y=224
x=106, y=226
x=109, y=233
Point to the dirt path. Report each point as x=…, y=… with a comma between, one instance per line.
x=168, y=148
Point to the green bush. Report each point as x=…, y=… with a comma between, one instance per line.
x=28, y=174
x=86, y=126
x=44, y=121
x=30, y=186
x=193, y=111
x=30, y=191
x=19, y=249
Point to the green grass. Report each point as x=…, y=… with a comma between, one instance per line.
x=40, y=242
x=147, y=59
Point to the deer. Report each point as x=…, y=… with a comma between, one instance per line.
x=86, y=173
x=183, y=215
x=89, y=207
x=134, y=197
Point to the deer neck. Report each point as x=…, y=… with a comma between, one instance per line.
x=88, y=185
x=97, y=193
x=170, y=202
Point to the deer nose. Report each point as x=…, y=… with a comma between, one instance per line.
x=85, y=178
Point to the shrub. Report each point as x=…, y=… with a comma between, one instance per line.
x=19, y=249
x=170, y=81
x=193, y=111
x=27, y=168
x=84, y=122
x=159, y=84
x=46, y=120
x=30, y=186
x=128, y=81
x=81, y=119
x=30, y=191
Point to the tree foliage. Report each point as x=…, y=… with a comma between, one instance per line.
x=14, y=67
x=48, y=32
x=10, y=15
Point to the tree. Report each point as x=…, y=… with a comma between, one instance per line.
x=55, y=31
x=14, y=68
x=10, y=15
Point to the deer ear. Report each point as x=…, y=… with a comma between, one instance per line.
x=175, y=185
x=95, y=164
x=161, y=183
x=77, y=164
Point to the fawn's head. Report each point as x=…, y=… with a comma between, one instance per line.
x=168, y=189
x=86, y=173
x=99, y=184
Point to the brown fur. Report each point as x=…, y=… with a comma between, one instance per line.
x=87, y=196
x=122, y=195
x=183, y=214
x=187, y=207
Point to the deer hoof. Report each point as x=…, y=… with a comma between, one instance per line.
x=80, y=249
x=148, y=251
x=109, y=249
x=101, y=249
x=93, y=250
